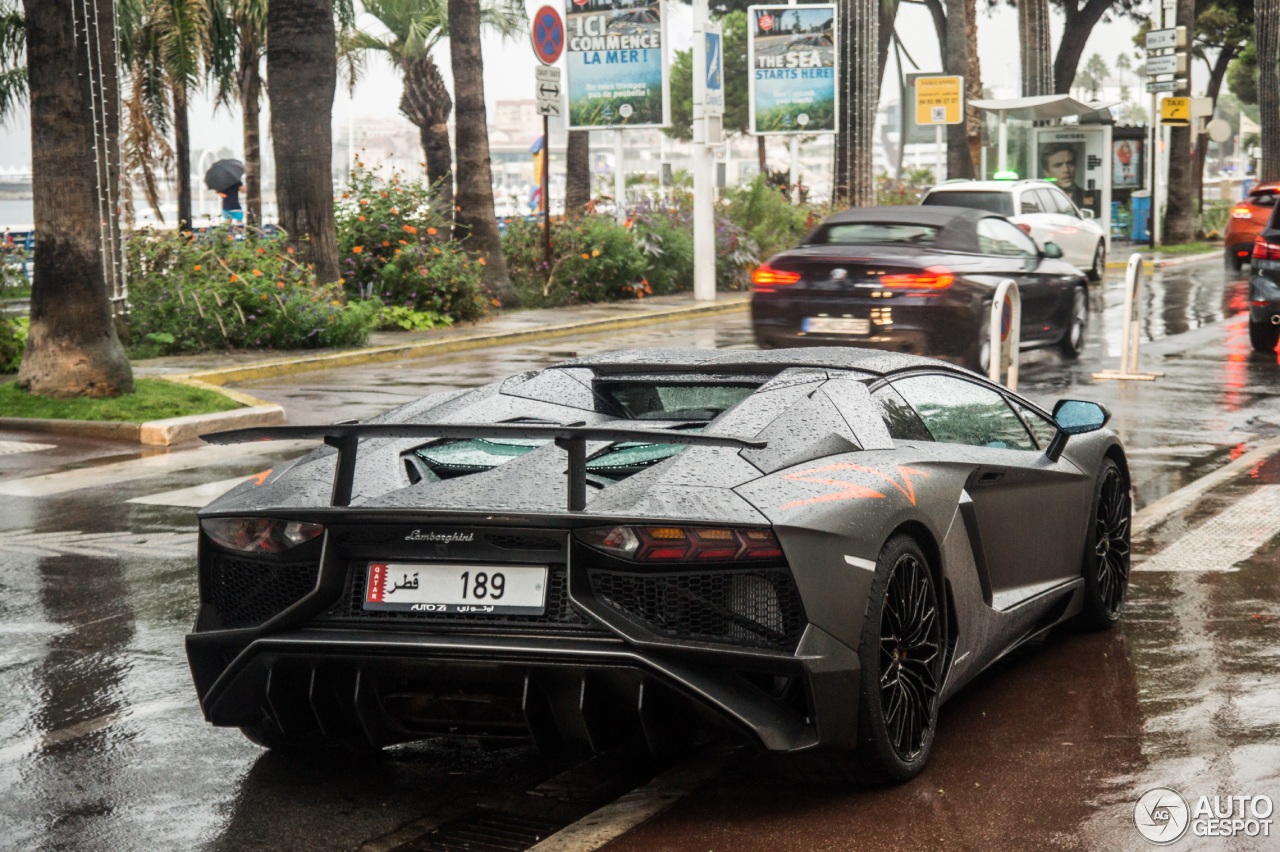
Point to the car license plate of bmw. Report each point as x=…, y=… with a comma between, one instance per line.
x=456, y=588
x=836, y=325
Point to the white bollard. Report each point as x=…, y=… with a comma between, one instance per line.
x=1131, y=331
x=1005, y=333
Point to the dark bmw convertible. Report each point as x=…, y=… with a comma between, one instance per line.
x=810, y=549
x=918, y=280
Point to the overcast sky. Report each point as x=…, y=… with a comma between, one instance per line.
x=509, y=73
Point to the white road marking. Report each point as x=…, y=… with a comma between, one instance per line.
x=162, y=463
x=32, y=543
x=1229, y=537
x=615, y=819
x=195, y=497
x=1153, y=514
x=868, y=564
x=30, y=745
x=9, y=448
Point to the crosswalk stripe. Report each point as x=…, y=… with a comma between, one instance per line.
x=75, y=543
x=1228, y=538
x=116, y=472
x=9, y=448
x=195, y=497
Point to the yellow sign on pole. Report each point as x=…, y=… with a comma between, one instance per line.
x=939, y=100
x=1175, y=112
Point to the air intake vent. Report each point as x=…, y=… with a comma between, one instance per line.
x=246, y=592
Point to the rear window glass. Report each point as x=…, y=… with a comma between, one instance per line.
x=991, y=201
x=1263, y=199
x=657, y=401
x=862, y=233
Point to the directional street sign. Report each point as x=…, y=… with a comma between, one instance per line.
x=548, y=35
x=1167, y=85
x=1174, y=38
x=548, y=90
x=1175, y=112
x=1175, y=64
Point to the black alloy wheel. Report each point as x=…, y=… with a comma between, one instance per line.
x=1263, y=336
x=903, y=650
x=1072, y=343
x=1099, y=267
x=1106, y=559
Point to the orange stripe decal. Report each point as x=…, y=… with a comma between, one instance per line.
x=259, y=478
x=850, y=490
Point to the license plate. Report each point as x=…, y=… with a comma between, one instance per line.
x=837, y=325
x=456, y=588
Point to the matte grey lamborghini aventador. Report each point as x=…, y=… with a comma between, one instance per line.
x=809, y=548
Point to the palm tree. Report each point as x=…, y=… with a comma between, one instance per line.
x=1037, y=47
x=13, y=62
x=414, y=28
x=239, y=44
x=302, y=75
x=1267, y=17
x=72, y=347
x=475, y=220
x=168, y=44
x=1179, y=218
x=1096, y=72
x=577, y=184
x=956, y=61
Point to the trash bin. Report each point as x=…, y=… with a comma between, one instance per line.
x=1140, y=222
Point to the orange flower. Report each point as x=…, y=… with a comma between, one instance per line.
x=358, y=249
x=364, y=201
x=264, y=297
x=197, y=267
x=398, y=251
x=586, y=256
x=289, y=249
x=279, y=285
x=395, y=212
x=595, y=252
x=361, y=218
x=411, y=229
x=403, y=242
x=431, y=231
x=260, y=251
x=482, y=263
x=384, y=195
x=257, y=272
x=386, y=243
x=235, y=278
x=436, y=250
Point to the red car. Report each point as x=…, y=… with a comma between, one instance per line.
x=1246, y=221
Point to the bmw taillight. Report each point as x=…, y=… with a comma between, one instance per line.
x=1242, y=211
x=684, y=544
x=931, y=278
x=766, y=278
x=1026, y=229
x=259, y=535
x=1263, y=250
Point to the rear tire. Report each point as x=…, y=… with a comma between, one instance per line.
x=1263, y=336
x=1106, y=553
x=1099, y=267
x=1232, y=261
x=1072, y=343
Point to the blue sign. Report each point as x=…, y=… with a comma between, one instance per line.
x=548, y=35
x=714, y=102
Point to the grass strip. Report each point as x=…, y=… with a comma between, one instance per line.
x=152, y=399
x=1188, y=248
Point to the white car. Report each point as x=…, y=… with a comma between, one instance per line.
x=1038, y=207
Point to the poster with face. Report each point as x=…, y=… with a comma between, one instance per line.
x=791, y=51
x=1061, y=163
x=1126, y=163
x=615, y=64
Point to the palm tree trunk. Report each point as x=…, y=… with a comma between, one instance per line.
x=72, y=347
x=1179, y=220
x=577, y=183
x=956, y=61
x=1036, y=47
x=973, y=86
x=250, y=106
x=859, y=22
x=182, y=155
x=762, y=155
x=302, y=74
x=1267, y=16
x=427, y=104
x=475, y=220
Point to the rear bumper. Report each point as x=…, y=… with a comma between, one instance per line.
x=1264, y=297
x=376, y=688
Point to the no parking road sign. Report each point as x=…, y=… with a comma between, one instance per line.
x=548, y=35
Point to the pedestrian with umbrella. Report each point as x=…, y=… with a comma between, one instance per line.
x=225, y=178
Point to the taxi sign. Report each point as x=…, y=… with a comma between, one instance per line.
x=1175, y=112
x=939, y=100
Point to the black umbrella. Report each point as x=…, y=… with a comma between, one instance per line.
x=224, y=174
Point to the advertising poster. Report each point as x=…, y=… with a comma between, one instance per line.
x=615, y=64
x=1072, y=158
x=1126, y=163
x=792, y=56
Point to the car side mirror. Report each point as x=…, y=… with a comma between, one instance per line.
x=1086, y=213
x=1075, y=417
x=1052, y=250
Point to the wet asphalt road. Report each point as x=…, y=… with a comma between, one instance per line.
x=102, y=745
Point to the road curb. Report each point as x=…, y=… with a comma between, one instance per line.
x=1152, y=265
x=372, y=355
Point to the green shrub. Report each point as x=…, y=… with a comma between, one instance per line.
x=393, y=317
x=394, y=245
x=13, y=339
x=764, y=215
x=218, y=291
x=594, y=259
x=665, y=236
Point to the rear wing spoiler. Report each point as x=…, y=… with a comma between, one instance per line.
x=571, y=437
